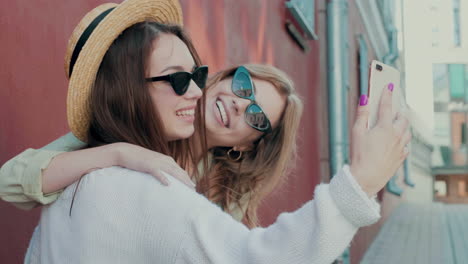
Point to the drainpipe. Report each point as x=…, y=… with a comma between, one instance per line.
x=392, y=33
x=337, y=12
x=392, y=55
x=336, y=85
x=408, y=180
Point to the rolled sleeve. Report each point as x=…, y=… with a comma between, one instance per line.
x=21, y=177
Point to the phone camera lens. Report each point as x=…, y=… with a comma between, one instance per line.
x=378, y=67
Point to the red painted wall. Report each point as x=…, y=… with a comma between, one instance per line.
x=33, y=85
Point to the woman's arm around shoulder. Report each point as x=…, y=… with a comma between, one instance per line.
x=37, y=177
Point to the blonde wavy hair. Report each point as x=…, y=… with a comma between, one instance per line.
x=241, y=185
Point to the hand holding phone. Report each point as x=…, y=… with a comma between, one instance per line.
x=379, y=136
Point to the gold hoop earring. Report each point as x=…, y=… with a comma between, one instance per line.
x=229, y=154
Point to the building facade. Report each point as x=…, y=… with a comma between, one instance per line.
x=450, y=79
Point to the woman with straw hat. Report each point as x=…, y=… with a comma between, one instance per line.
x=131, y=79
x=90, y=185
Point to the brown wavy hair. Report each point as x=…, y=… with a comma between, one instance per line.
x=241, y=185
x=120, y=101
x=121, y=106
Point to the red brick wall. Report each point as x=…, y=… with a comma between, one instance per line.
x=32, y=108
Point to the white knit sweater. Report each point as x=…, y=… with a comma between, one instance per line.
x=124, y=216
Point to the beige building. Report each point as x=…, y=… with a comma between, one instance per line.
x=450, y=80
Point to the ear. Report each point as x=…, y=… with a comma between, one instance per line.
x=245, y=147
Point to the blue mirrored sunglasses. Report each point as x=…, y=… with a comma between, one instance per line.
x=243, y=87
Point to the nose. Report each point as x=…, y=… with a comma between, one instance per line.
x=193, y=92
x=240, y=105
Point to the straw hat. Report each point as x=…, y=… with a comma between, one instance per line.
x=90, y=41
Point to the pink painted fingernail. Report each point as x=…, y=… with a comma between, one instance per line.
x=363, y=101
x=390, y=87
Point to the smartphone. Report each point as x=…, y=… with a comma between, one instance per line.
x=380, y=76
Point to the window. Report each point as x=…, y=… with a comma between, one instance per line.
x=463, y=134
x=456, y=23
x=440, y=188
x=462, y=188
x=457, y=81
x=434, y=9
x=303, y=11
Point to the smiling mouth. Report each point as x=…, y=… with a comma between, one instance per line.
x=222, y=113
x=190, y=112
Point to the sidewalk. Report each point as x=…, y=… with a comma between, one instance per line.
x=422, y=233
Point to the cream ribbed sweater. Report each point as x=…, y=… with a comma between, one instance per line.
x=123, y=216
